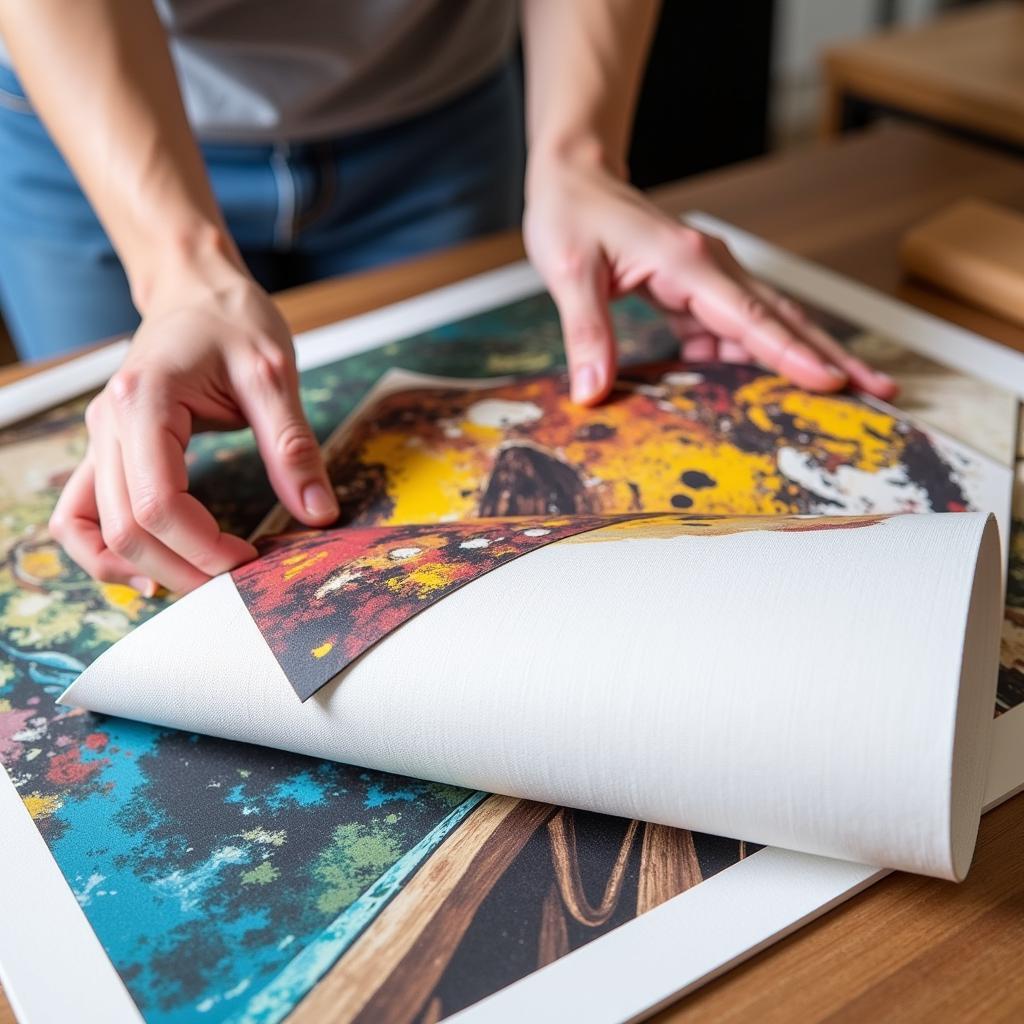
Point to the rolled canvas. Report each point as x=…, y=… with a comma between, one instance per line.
x=827, y=689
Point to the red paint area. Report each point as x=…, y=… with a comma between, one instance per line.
x=68, y=769
x=96, y=740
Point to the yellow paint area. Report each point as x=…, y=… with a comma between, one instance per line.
x=424, y=580
x=40, y=806
x=125, y=599
x=427, y=483
x=42, y=564
x=861, y=436
x=322, y=650
x=298, y=564
x=744, y=481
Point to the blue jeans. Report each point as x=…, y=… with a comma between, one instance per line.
x=298, y=211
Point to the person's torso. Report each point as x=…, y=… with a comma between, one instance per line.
x=270, y=70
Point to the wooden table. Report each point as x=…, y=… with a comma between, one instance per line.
x=910, y=948
x=964, y=70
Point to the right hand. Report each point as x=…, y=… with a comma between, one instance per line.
x=212, y=352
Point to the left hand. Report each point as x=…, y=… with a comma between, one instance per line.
x=593, y=238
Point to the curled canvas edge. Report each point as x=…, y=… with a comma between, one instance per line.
x=974, y=710
x=197, y=626
x=684, y=943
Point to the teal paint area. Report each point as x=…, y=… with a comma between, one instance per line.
x=209, y=870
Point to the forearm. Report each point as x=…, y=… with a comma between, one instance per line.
x=584, y=63
x=99, y=73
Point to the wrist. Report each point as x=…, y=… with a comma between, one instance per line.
x=192, y=258
x=585, y=153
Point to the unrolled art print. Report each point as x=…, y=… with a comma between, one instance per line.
x=232, y=879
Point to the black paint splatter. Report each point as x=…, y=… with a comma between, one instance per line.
x=696, y=479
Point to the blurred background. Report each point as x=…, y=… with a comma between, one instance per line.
x=732, y=81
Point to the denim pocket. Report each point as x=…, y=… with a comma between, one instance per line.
x=12, y=96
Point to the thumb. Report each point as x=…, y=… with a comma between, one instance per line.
x=287, y=444
x=582, y=300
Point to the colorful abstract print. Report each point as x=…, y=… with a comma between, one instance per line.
x=713, y=439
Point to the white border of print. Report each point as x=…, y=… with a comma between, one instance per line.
x=640, y=966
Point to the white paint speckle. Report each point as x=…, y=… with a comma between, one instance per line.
x=474, y=542
x=400, y=554
x=682, y=379
x=238, y=989
x=85, y=894
x=35, y=729
x=499, y=413
x=536, y=531
x=188, y=887
x=336, y=582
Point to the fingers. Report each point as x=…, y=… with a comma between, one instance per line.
x=270, y=401
x=696, y=276
x=75, y=523
x=730, y=351
x=701, y=348
x=125, y=515
x=121, y=532
x=862, y=376
x=152, y=433
x=581, y=293
x=699, y=276
x=796, y=319
x=735, y=312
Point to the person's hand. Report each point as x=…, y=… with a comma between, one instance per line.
x=208, y=355
x=594, y=238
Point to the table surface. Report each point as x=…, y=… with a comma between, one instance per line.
x=909, y=948
x=965, y=69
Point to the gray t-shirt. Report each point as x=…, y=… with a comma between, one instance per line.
x=274, y=70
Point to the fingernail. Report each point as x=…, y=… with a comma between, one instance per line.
x=318, y=501
x=836, y=373
x=144, y=585
x=585, y=383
